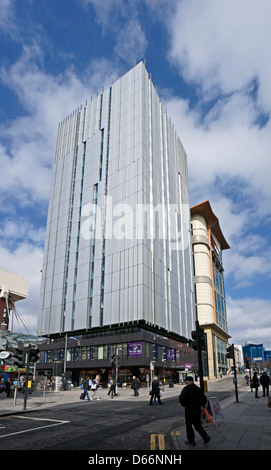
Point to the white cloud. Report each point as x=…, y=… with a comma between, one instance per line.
x=7, y=16
x=131, y=42
x=14, y=230
x=227, y=144
x=119, y=21
x=28, y=152
x=223, y=44
x=246, y=269
x=249, y=320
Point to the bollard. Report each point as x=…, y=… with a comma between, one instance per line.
x=15, y=396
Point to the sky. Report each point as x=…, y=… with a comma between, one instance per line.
x=210, y=61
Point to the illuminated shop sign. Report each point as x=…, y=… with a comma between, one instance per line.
x=135, y=349
x=171, y=354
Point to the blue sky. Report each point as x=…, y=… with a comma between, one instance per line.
x=210, y=62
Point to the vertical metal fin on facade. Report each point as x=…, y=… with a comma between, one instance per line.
x=163, y=194
x=104, y=214
x=78, y=238
x=92, y=258
x=70, y=217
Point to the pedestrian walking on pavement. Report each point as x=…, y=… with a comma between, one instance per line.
x=112, y=389
x=255, y=384
x=8, y=387
x=155, y=391
x=90, y=382
x=95, y=387
x=192, y=398
x=86, y=390
x=265, y=381
x=135, y=386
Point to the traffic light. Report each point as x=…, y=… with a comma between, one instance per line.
x=195, y=338
x=199, y=339
x=230, y=352
x=113, y=363
x=34, y=355
x=16, y=358
x=202, y=339
x=247, y=363
x=19, y=357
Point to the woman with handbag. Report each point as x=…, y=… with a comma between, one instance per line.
x=95, y=387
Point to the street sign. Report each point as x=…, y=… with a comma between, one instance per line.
x=215, y=407
x=5, y=354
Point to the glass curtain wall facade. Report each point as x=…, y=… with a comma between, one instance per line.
x=118, y=248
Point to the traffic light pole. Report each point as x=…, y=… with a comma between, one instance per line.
x=235, y=377
x=199, y=357
x=27, y=362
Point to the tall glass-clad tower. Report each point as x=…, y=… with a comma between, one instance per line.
x=118, y=243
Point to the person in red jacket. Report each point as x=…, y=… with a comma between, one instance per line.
x=192, y=399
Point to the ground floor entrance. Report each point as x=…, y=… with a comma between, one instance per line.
x=74, y=376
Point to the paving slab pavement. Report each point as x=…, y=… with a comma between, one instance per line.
x=245, y=425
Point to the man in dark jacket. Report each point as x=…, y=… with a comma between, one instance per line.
x=192, y=399
x=86, y=390
x=135, y=386
x=155, y=391
x=265, y=381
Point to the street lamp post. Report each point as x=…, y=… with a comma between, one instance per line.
x=151, y=370
x=65, y=353
x=66, y=350
x=27, y=362
x=117, y=367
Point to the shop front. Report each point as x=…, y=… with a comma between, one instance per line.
x=128, y=354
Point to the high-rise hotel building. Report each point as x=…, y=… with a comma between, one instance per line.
x=208, y=245
x=118, y=270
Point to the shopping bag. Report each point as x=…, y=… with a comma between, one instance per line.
x=207, y=415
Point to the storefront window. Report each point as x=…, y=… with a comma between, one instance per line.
x=83, y=353
x=221, y=353
x=100, y=352
x=43, y=356
x=55, y=353
x=69, y=354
